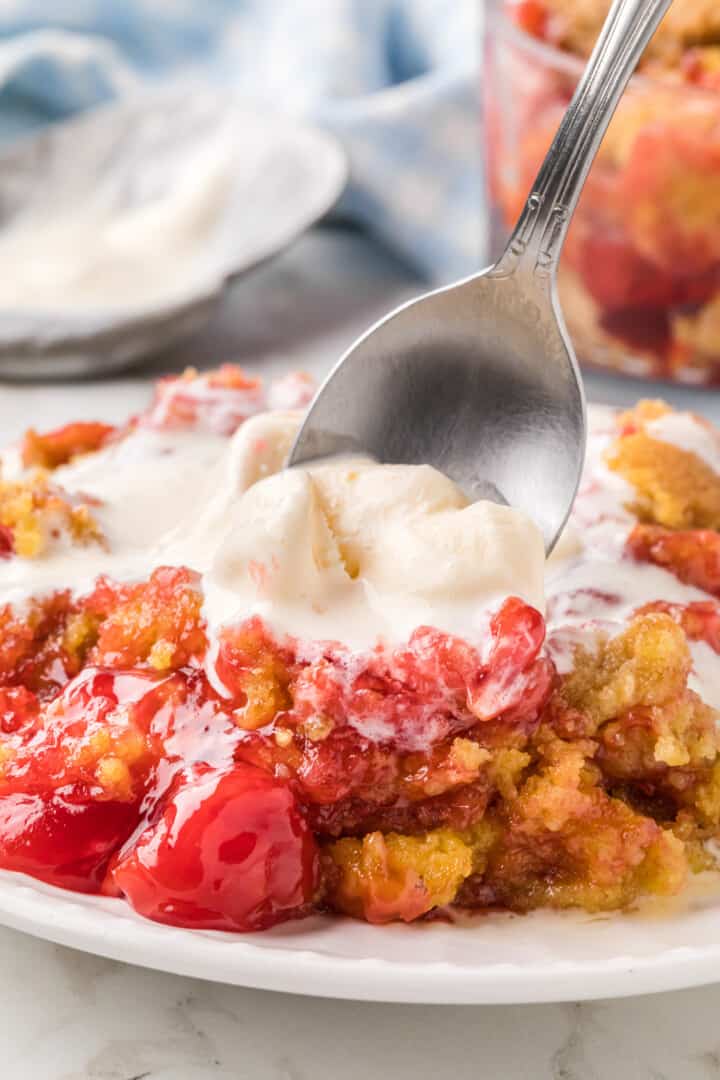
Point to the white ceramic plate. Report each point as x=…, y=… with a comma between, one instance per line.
x=492, y=959
x=284, y=176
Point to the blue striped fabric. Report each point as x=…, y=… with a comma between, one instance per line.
x=395, y=79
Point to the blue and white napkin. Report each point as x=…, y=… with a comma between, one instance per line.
x=394, y=79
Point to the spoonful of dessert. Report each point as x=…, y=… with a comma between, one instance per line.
x=479, y=379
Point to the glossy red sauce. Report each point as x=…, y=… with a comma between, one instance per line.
x=202, y=800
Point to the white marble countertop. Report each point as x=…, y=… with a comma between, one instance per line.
x=68, y=1016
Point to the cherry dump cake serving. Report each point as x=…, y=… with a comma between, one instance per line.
x=232, y=695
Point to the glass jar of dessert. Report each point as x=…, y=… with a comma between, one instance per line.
x=640, y=274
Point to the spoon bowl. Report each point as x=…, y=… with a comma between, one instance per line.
x=454, y=381
x=479, y=379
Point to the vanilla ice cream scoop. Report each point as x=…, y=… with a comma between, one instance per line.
x=359, y=552
x=348, y=550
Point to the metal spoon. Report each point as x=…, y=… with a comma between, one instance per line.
x=479, y=379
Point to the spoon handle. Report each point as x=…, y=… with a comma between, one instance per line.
x=537, y=240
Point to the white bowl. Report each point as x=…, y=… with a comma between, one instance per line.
x=284, y=176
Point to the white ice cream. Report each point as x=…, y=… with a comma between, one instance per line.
x=348, y=551
x=351, y=550
x=355, y=551
x=147, y=486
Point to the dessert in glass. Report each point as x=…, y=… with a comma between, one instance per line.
x=640, y=275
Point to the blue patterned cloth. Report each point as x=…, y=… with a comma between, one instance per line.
x=395, y=79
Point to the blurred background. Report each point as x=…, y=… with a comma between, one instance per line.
x=259, y=180
x=152, y=149
x=392, y=78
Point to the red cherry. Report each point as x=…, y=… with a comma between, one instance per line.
x=7, y=542
x=532, y=16
x=60, y=841
x=514, y=678
x=58, y=447
x=700, y=619
x=228, y=852
x=645, y=330
x=618, y=277
x=693, y=555
x=630, y=287
x=18, y=709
